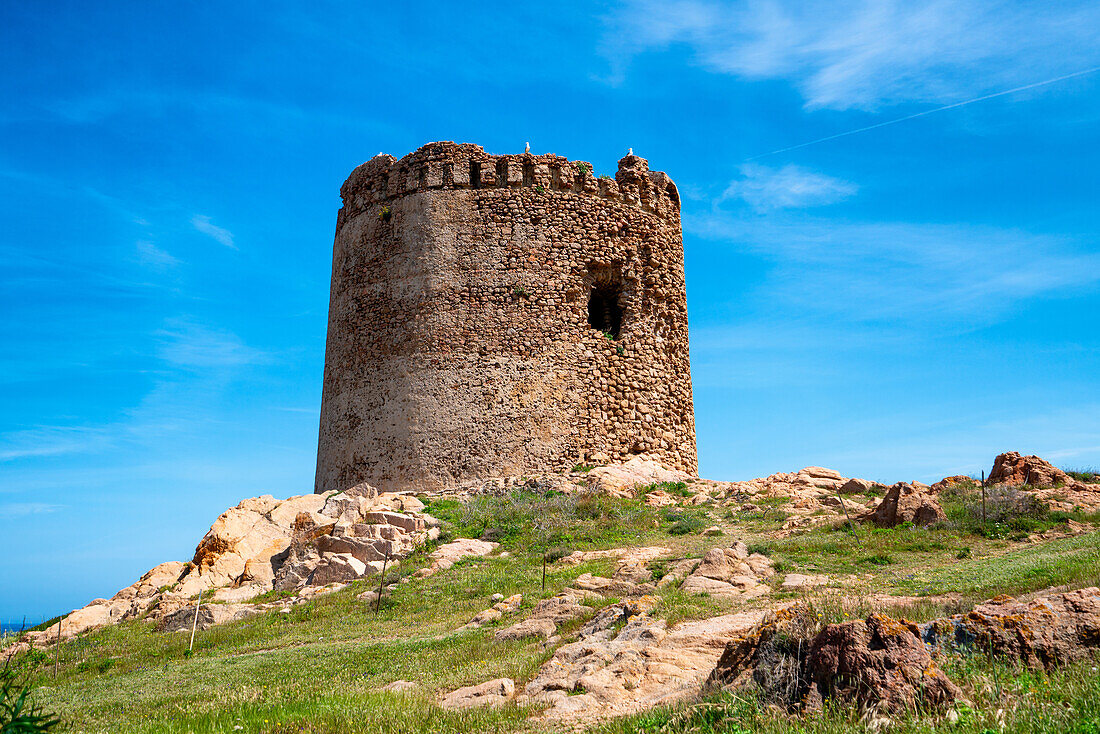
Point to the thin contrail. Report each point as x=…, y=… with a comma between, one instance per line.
x=928, y=112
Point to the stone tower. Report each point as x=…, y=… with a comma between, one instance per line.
x=502, y=315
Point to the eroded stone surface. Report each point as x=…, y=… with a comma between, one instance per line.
x=613, y=672
x=906, y=503
x=490, y=693
x=1047, y=631
x=878, y=662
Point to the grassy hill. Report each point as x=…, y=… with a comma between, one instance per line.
x=319, y=667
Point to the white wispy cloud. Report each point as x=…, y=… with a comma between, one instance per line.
x=184, y=343
x=14, y=510
x=152, y=256
x=860, y=54
x=51, y=441
x=901, y=272
x=202, y=223
x=790, y=187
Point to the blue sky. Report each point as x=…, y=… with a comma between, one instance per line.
x=900, y=303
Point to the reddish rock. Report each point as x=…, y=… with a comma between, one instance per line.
x=949, y=482
x=1047, y=631
x=878, y=662
x=905, y=503
x=1012, y=468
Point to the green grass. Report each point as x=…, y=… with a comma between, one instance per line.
x=676, y=489
x=526, y=521
x=1003, y=512
x=1090, y=475
x=322, y=663
x=318, y=668
x=1071, y=561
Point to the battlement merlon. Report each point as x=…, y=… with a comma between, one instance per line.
x=447, y=165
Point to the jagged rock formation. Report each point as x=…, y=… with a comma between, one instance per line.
x=1047, y=482
x=1047, y=631
x=905, y=503
x=304, y=544
x=877, y=662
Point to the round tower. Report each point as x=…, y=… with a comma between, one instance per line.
x=502, y=315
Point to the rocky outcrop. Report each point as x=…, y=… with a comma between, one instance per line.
x=1047, y=482
x=951, y=483
x=905, y=503
x=620, y=480
x=263, y=544
x=1044, y=632
x=625, y=661
x=490, y=693
x=565, y=606
x=804, y=499
x=451, y=553
x=208, y=616
x=730, y=573
x=878, y=662
x=1012, y=468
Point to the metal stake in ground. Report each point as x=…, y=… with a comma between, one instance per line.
x=195, y=624
x=381, y=584
x=57, y=652
x=544, y=572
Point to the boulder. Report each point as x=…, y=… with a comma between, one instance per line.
x=209, y=615
x=620, y=480
x=879, y=660
x=491, y=693
x=1012, y=468
x=801, y=581
x=730, y=573
x=856, y=486
x=1050, y=630
x=626, y=661
x=246, y=536
x=448, y=555
x=877, y=663
x=533, y=627
x=399, y=686
x=659, y=498
x=949, y=482
x=364, y=549
x=408, y=523
x=337, y=568
x=905, y=503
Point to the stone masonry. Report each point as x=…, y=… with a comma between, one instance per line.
x=502, y=315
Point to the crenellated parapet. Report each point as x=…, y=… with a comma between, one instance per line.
x=447, y=165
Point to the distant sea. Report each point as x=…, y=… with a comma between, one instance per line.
x=10, y=625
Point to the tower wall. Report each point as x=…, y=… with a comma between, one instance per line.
x=469, y=304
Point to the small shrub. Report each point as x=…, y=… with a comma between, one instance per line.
x=676, y=488
x=583, y=468
x=1089, y=475
x=658, y=568
x=1007, y=512
x=557, y=553
x=761, y=548
x=878, y=559
x=17, y=714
